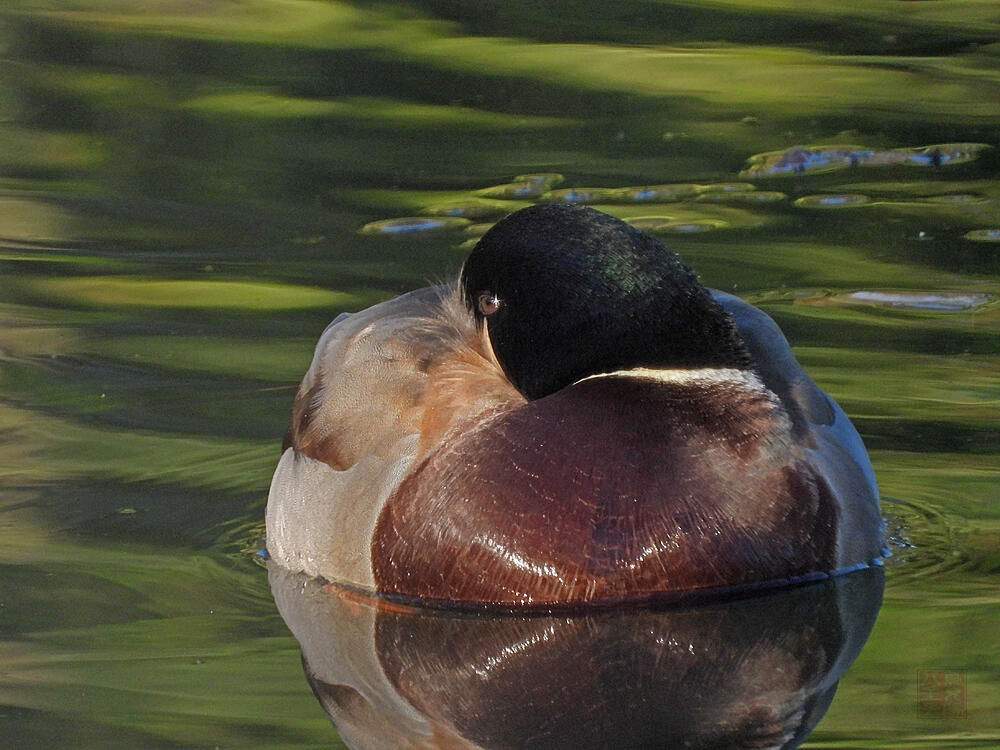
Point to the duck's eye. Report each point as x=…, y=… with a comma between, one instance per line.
x=488, y=303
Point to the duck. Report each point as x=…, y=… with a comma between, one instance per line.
x=576, y=421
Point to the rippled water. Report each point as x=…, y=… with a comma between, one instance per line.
x=190, y=190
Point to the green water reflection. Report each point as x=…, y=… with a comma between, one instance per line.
x=183, y=189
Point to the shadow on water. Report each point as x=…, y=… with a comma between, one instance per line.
x=749, y=673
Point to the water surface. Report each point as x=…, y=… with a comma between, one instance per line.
x=190, y=191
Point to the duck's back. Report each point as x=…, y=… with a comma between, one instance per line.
x=831, y=443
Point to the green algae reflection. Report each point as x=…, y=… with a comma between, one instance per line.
x=136, y=292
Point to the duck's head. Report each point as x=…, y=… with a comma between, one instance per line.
x=566, y=292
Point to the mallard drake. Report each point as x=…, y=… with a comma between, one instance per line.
x=576, y=421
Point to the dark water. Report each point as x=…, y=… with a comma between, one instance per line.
x=189, y=191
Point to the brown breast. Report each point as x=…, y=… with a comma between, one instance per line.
x=614, y=488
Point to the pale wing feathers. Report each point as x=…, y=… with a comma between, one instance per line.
x=385, y=385
x=413, y=365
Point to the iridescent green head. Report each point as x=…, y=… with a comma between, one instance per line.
x=566, y=291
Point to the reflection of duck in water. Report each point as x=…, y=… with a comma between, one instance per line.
x=757, y=672
x=579, y=422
